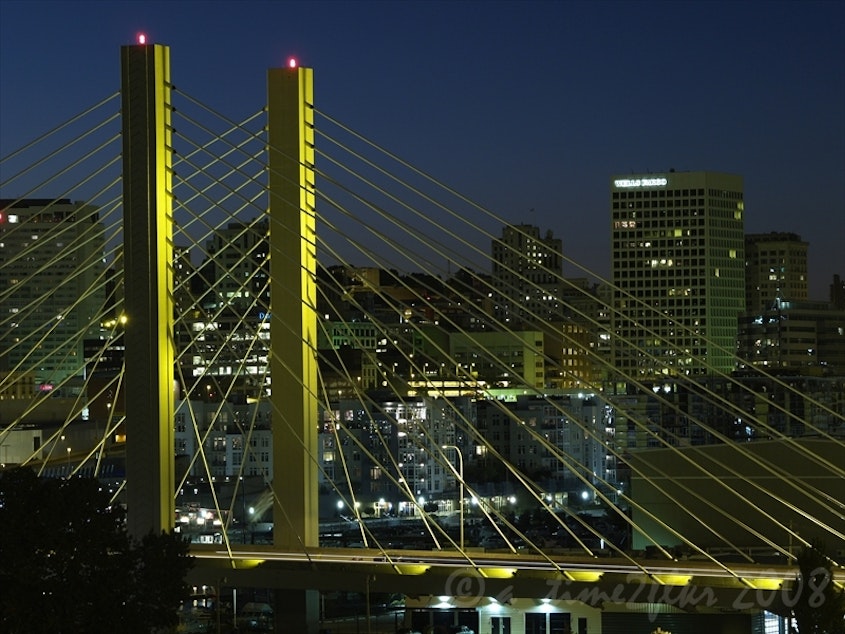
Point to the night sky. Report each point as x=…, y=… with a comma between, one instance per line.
x=527, y=108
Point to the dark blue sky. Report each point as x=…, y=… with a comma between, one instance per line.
x=519, y=105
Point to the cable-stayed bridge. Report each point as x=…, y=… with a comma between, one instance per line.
x=321, y=330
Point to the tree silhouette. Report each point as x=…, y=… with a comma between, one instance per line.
x=67, y=563
x=819, y=606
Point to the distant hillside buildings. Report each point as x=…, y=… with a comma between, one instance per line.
x=410, y=362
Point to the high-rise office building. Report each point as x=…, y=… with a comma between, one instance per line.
x=53, y=286
x=678, y=269
x=224, y=323
x=798, y=337
x=837, y=293
x=527, y=273
x=775, y=269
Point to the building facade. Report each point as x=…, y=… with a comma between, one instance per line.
x=223, y=328
x=558, y=441
x=775, y=269
x=381, y=450
x=678, y=270
x=53, y=285
x=799, y=337
x=236, y=439
x=527, y=275
x=501, y=359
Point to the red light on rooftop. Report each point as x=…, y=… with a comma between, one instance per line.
x=292, y=63
x=142, y=39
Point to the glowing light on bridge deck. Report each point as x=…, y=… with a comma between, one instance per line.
x=246, y=564
x=497, y=573
x=142, y=38
x=411, y=569
x=765, y=584
x=588, y=576
x=673, y=580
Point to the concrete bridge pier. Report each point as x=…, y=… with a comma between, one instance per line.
x=293, y=329
x=148, y=281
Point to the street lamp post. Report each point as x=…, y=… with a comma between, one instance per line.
x=461, y=480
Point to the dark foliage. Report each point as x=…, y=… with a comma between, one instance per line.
x=820, y=605
x=68, y=565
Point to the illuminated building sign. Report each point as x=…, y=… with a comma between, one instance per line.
x=640, y=182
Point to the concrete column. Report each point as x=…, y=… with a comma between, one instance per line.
x=293, y=329
x=148, y=281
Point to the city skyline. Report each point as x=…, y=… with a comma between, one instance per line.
x=297, y=380
x=598, y=90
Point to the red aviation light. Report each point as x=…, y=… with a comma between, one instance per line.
x=292, y=63
x=142, y=38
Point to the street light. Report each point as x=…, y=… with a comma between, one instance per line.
x=461, y=479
